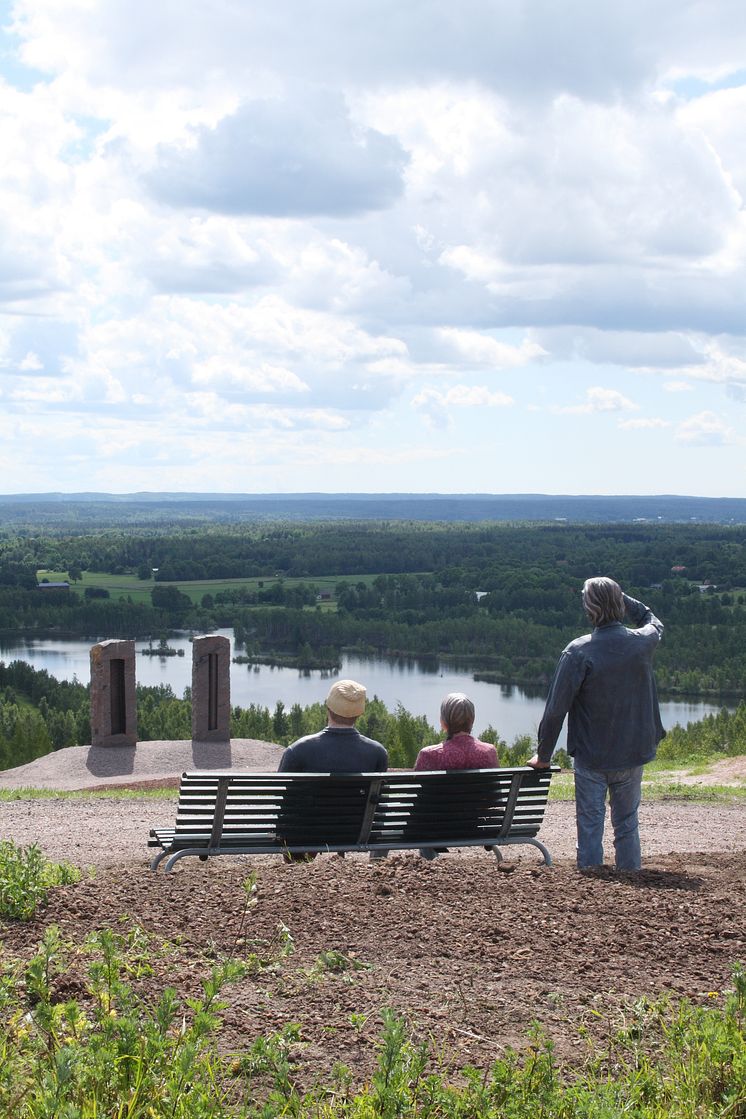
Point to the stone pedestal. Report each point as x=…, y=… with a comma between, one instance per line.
x=211, y=689
x=113, y=699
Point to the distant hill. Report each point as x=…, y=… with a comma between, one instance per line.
x=89, y=508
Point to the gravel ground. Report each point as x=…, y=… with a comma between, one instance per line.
x=106, y=832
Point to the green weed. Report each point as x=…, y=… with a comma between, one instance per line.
x=111, y=1055
x=108, y=1055
x=333, y=962
x=26, y=877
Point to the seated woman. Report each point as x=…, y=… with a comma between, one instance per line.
x=460, y=750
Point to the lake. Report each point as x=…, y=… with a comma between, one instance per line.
x=418, y=686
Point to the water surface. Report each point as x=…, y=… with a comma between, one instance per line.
x=419, y=686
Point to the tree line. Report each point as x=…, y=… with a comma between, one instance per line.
x=637, y=554
x=505, y=596
x=39, y=714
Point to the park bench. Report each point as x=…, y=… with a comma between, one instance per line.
x=235, y=813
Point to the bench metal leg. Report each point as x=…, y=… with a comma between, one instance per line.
x=174, y=858
x=515, y=842
x=156, y=862
x=537, y=843
x=542, y=848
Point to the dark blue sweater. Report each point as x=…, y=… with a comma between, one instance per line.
x=334, y=750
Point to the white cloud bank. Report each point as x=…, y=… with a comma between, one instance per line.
x=286, y=234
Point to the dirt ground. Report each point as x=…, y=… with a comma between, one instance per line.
x=471, y=954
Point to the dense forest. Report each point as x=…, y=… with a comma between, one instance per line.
x=506, y=596
x=556, y=554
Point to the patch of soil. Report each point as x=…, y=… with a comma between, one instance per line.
x=727, y=771
x=470, y=954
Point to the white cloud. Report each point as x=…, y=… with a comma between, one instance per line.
x=262, y=378
x=556, y=201
x=643, y=350
x=599, y=399
x=716, y=364
x=481, y=349
x=437, y=405
x=736, y=392
x=705, y=429
x=595, y=50
x=285, y=159
x=307, y=360
x=643, y=424
x=31, y=363
x=717, y=116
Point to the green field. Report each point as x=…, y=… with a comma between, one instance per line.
x=129, y=586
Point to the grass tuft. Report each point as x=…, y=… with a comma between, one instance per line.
x=26, y=877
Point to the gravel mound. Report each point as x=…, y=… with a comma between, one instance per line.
x=143, y=765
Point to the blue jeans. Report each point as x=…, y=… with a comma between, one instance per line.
x=624, y=788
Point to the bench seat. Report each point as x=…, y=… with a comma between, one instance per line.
x=233, y=813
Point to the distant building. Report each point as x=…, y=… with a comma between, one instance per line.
x=64, y=586
x=324, y=596
x=677, y=570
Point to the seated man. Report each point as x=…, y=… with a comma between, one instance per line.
x=339, y=747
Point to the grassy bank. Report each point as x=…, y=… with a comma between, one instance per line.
x=660, y=782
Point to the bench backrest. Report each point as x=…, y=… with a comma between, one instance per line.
x=344, y=811
x=477, y=805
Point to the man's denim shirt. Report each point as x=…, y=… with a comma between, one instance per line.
x=604, y=681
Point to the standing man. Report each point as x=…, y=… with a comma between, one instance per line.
x=339, y=748
x=604, y=681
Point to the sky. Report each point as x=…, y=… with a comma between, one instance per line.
x=445, y=246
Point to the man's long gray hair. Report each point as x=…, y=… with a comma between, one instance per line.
x=603, y=601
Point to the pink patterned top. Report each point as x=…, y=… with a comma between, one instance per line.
x=460, y=752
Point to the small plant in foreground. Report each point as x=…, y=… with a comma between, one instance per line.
x=332, y=960
x=274, y=951
x=250, y=888
x=112, y=1056
x=26, y=877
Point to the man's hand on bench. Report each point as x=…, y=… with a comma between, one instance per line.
x=535, y=763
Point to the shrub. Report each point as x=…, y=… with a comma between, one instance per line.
x=26, y=877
